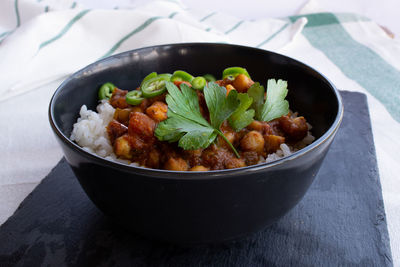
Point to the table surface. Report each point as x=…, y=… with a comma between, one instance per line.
x=331, y=224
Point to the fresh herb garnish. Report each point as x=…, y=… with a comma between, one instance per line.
x=187, y=126
x=185, y=122
x=219, y=105
x=242, y=117
x=275, y=104
x=256, y=92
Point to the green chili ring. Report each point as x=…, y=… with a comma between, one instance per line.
x=134, y=97
x=148, y=77
x=209, y=77
x=155, y=86
x=180, y=75
x=198, y=83
x=234, y=71
x=106, y=90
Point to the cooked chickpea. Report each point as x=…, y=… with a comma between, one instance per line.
x=157, y=111
x=122, y=148
x=136, y=109
x=176, y=164
x=153, y=159
x=122, y=115
x=199, y=168
x=273, y=142
x=252, y=141
x=262, y=127
x=255, y=125
x=230, y=136
x=295, y=128
x=235, y=163
x=242, y=83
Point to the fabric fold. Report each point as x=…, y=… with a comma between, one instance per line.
x=52, y=45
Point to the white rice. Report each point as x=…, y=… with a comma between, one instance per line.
x=90, y=132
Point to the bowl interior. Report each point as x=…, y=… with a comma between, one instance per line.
x=309, y=92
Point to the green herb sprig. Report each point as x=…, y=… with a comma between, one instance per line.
x=185, y=122
x=242, y=115
x=275, y=104
x=187, y=126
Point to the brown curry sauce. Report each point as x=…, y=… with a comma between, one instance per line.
x=131, y=133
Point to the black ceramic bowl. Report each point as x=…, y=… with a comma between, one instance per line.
x=188, y=207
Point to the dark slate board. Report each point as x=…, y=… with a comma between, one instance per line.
x=340, y=222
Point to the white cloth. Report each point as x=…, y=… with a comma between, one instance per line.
x=42, y=42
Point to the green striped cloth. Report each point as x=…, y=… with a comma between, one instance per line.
x=42, y=43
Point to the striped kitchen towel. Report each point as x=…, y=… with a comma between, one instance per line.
x=54, y=44
x=42, y=42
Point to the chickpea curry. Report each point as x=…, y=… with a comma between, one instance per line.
x=184, y=123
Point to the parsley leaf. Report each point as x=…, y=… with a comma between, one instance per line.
x=219, y=105
x=184, y=102
x=256, y=91
x=275, y=104
x=191, y=135
x=185, y=122
x=242, y=117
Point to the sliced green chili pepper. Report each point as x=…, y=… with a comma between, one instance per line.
x=198, y=83
x=155, y=86
x=134, y=97
x=209, y=77
x=106, y=90
x=181, y=75
x=149, y=76
x=234, y=71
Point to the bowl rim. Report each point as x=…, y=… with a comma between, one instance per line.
x=193, y=175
